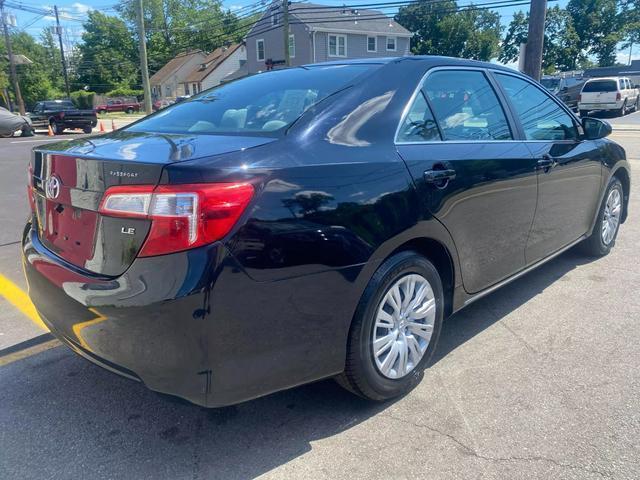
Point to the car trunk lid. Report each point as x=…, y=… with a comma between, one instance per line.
x=68, y=181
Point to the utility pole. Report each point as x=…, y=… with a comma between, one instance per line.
x=535, y=39
x=142, y=46
x=285, y=30
x=12, y=63
x=64, y=63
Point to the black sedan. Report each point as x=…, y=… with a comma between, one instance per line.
x=313, y=222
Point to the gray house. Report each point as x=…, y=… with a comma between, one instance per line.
x=319, y=33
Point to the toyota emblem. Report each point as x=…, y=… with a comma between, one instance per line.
x=52, y=188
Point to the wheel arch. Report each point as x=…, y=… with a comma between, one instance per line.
x=438, y=254
x=622, y=174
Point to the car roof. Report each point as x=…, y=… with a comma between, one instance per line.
x=605, y=78
x=429, y=61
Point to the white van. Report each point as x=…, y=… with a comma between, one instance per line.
x=611, y=93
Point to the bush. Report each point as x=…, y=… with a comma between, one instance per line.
x=125, y=92
x=83, y=99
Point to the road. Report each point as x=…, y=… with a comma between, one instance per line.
x=537, y=380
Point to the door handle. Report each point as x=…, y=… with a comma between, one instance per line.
x=440, y=178
x=546, y=163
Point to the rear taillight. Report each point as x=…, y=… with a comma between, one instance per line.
x=182, y=216
x=579, y=97
x=618, y=96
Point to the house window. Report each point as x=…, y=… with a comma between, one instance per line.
x=195, y=88
x=260, y=49
x=292, y=46
x=391, y=44
x=337, y=45
x=186, y=89
x=274, y=17
x=372, y=44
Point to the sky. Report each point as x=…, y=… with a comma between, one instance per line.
x=72, y=12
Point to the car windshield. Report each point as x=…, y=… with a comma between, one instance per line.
x=261, y=104
x=550, y=83
x=600, y=86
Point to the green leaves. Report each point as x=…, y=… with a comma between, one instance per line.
x=441, y=29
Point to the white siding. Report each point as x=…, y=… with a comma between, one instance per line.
x=230, y=65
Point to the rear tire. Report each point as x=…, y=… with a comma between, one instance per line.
x=406, y=334
x=605, y=231
x=129, y=111
x=87, y=129
x=56, y=128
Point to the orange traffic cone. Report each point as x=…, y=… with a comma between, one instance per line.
x=50, y=132
x=102, y=130
x=113, y=125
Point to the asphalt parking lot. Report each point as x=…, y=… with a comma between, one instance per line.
x=537, y=380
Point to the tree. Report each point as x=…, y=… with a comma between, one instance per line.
x=631, y=17
x=174, y=26
x=441, y=29
x=561, y=43
x=599, y=28
x=37, y=80
x=108, y=55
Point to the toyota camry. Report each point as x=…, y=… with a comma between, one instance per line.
x=312, y=222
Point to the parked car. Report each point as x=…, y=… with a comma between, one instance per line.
x=60, y=115
x=159, y=104
x=615, y=94
x=311, y=222
x=10, y=123
x=566, y=89
x=118, y=106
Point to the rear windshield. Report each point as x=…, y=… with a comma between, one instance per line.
x=600, y=86
x=550, y=83
x=59, y=106
x=261, y=104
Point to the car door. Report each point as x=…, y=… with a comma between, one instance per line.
x=569, y=168
x=474, y=175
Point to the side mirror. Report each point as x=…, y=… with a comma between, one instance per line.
x=594, y=128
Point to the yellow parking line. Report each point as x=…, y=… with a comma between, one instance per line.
x=28, y=352
x=78, y=327
x=20, y=300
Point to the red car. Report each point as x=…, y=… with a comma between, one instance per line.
x=118, y=106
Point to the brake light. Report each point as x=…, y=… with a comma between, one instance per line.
x=618, y=96
x=579, y=97
x=182, y=216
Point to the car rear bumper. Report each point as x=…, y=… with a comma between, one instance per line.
x=599, y=106
x=194, y=324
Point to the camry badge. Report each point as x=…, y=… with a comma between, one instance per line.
x=52, y=188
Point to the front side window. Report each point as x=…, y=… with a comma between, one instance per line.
x=264, y=104
x=541, y=117
x=372, y=44
x=465, y=106
x=260, y=50
x=292, y=46
x=391, y=44
x=337, y=45
x=419, y=124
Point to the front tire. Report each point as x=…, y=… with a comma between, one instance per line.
x=622, y=111
x=129, y=111
x=395, y=329
x=605, y=231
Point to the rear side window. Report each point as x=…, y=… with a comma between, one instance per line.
x=419, y=124
x=261, y=104
x=600, y=86
x=465, y=106
x=541, y=117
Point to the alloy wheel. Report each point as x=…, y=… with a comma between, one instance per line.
x=403, y=326
x=611, y=217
